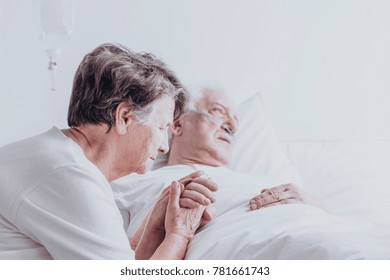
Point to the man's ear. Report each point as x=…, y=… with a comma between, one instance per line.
x=123, y=118
x=176, y=127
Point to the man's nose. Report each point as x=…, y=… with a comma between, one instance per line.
x=231, y=122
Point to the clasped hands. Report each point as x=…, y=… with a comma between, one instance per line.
x=192, y=208
x=180, y=210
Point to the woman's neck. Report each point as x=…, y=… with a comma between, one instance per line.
x=96, y=145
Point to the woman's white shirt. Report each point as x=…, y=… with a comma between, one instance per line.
x=55, y=203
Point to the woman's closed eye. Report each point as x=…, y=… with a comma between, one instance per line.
x=164, y=127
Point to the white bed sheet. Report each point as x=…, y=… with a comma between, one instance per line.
x=352, y=178
x=281, y=232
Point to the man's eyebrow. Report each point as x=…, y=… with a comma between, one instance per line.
x=220, y=104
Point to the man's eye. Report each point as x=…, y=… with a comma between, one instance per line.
x=218, y=111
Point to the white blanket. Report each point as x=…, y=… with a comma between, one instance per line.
x=281, y=232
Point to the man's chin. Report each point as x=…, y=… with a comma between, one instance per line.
x=223, y=158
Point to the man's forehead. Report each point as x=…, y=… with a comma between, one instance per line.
x=210, y=98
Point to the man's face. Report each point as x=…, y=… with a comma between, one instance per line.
x=208, y=132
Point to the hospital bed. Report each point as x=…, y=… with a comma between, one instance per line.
x=350, y=177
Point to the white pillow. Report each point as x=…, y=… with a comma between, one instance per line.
x=256, y=150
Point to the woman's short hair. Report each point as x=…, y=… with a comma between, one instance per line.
x=112, y=74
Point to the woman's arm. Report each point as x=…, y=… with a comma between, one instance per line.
x=180, y=226
x=152, y=231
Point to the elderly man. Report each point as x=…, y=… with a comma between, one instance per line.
x=202, y=140
x=205, y=136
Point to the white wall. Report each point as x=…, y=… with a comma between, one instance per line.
x=323, y=66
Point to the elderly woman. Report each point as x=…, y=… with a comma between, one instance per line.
x=55, y=197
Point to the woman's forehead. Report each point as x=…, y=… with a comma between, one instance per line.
x=164, y=108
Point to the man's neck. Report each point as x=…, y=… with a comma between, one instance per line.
x=181, y=156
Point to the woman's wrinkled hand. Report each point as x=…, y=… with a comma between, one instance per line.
x=198, y=191
x=181, y=221
x=279, y=195
x=180, y=224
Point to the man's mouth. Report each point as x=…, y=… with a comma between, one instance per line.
x=225, y=138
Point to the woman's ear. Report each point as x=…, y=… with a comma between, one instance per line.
x=176, y=127
x=123, y=118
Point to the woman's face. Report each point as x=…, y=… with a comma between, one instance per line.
x=146, y=140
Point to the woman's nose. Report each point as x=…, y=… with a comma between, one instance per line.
x=164, y=147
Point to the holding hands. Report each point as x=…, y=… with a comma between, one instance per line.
x=173, y=221
x=198, y=190
x=181, y=221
